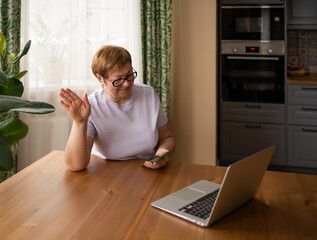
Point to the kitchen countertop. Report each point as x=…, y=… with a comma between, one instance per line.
x=307, y=79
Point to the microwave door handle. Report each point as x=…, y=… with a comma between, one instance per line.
x=253, y=58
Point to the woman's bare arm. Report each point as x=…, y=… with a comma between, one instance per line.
x=79, y=145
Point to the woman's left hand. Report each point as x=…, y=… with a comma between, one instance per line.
x=156, y=165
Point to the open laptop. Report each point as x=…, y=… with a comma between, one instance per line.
x=240, y=184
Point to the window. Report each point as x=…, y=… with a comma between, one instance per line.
x=65, y=35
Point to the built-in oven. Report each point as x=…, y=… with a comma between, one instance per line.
x=252, y=22
x=252, y=71
x=251, y=78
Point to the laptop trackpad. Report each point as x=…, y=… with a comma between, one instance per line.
x=188, y=194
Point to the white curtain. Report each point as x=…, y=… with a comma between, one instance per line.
x=65, y=34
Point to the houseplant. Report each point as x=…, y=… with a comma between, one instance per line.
x=12, y=129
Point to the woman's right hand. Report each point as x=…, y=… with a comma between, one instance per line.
x=77, y=108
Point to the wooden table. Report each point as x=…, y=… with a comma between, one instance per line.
x=111, y=200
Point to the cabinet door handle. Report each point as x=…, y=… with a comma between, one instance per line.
x=252, y=106
x=309, y=130
x=309, y=109
x=309, y=88
x=253, y=126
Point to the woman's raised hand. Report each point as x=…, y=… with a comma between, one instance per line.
x=77, y=108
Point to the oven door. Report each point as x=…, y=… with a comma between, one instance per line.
x=252, y=23
x=252, y=78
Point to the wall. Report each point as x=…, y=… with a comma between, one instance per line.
x=194, y=80
x=302, y=49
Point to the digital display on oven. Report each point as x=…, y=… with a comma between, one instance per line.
x=252, y=49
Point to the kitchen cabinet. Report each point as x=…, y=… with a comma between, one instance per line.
x=302, y=151
x=302, y=94
x=302, y=14
x=250, y=127
x=253, y=112
x=244, y=139
x=302, y=126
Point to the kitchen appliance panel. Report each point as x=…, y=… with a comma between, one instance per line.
x=241, y=22
x=252, y=78
x=255, y=2
x=252, y=47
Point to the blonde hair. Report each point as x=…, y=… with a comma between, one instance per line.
x=109, y=58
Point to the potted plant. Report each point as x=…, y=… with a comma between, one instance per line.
x=12, y=129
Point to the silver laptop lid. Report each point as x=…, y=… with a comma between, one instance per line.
x=241, y=183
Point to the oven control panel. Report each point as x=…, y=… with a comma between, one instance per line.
x=253, y=47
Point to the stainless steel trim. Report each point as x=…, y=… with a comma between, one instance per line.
x=237, y=7
x=254, y=41
x=267, y=48
x=253, y=58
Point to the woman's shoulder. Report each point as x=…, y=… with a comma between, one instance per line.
x=143, y=89
x=142, y=86
x=96, y=95
x=146, y=93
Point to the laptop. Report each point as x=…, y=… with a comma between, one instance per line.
x=205, y=202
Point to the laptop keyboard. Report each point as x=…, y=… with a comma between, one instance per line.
x=202, y=207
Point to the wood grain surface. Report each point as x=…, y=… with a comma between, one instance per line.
x=111, y=200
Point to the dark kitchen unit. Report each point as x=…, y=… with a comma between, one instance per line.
x=259, y=102
x=302, y=87
x=251, y=78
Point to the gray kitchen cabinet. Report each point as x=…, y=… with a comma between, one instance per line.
x=302, y=142
x=302, y=126
x=253, y=112
x=302, y=114
x=302, y=94
x=250, y=127
x=302, y=14
x=243, y=139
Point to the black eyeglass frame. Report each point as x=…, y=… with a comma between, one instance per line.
x=124, y=79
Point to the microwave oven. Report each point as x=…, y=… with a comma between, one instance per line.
x=252, y=22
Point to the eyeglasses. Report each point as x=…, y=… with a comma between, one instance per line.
x=120, y=81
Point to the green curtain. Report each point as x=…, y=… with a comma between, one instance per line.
x=10, y=17
x=156, y=33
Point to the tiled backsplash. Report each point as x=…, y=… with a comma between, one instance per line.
x=302, y=49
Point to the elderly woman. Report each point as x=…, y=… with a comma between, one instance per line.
x=120, y=121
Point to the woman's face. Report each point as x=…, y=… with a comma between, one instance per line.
x=122, y=93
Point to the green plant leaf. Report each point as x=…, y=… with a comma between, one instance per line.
x=14, y=88
x=13, y=129
x=20, y=75
x=11, y=103
x=6, y=158
x=3, y=46
x=22, y=53
x=12, y=56
x=3, y=79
